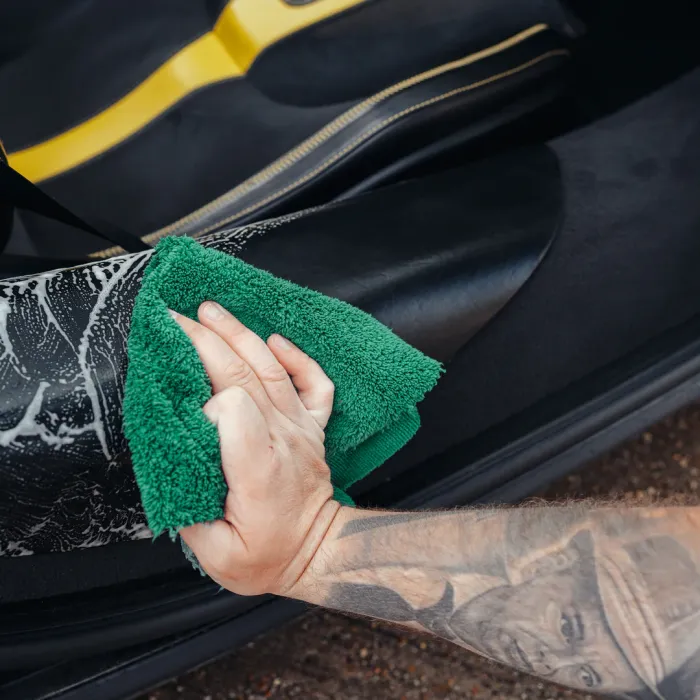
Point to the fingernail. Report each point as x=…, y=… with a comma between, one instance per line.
x=213, y=311
x=174, y=314
x=281, y=342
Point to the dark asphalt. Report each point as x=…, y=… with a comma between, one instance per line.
x=330, y=657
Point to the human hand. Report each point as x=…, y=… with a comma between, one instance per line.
x=279, y=504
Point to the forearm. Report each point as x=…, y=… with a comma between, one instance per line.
x=600, y=598
x=369, y=555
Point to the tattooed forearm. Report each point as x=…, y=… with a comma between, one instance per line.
x=600, y=599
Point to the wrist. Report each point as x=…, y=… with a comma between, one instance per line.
x=324, y=541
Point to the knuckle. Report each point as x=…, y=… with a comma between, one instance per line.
x=274, y=373
x=197, y=333
x=235, y=329
x=310, y=365
x=211, y=408
x=322, y=467
x=319, y=371
x=318, y=471
x=300, y=446
x=295, y=443
x=231, y=397
x=238, y=372
x=276, y=463
x=316, y=433
x=226, y=401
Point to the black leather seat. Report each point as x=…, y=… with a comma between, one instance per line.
x=436, y=259
x=312, y=110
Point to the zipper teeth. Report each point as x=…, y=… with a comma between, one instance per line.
x=338, y=124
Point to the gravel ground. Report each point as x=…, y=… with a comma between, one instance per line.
x=326, y=656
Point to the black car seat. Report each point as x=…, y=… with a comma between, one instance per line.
x=523, y=272
x=530, y=273
x=184, y=116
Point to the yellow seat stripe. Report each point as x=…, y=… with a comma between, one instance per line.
x=243, y=30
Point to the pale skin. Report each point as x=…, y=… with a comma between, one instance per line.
x=595, y=597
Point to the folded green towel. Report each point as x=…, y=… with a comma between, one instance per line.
x=379, y=378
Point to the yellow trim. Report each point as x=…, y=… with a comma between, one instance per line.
x=244, y=29
x=203, y=62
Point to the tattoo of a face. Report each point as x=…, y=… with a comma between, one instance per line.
x=550, y=624
x=612, y=608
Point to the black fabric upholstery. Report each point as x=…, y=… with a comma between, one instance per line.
x=24, y=195
x=623, y=269
x=631, y=48
x=382, y=42
x=6, y=214
x=65, y=62
x=224, y=134
x=73, y=65
x=22, y=24
x=6, y=210
x=469, y=101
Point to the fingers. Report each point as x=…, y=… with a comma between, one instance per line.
x=235, y=356
x=244, y=436
x=315, y=389
x=253, y=350
x=223, y=365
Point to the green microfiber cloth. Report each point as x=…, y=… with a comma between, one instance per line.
x=379, y=379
